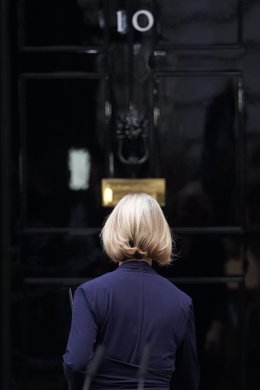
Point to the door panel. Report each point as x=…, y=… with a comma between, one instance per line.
x=200, y=138
x=48, y=253
x=61, y=23
x=45, y=311
x=64, y=148
x=197, y=23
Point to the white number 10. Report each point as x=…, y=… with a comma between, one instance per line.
x=122, y=21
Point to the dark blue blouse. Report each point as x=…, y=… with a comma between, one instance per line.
x=124, y=310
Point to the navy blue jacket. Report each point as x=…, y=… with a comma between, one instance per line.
x=124, y=310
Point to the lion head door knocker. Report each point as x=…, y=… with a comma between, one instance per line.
x=132, y=137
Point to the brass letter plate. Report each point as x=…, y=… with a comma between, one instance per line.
x=114, y=189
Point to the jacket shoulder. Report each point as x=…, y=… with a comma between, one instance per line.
x=173, y=289
x=97, y=282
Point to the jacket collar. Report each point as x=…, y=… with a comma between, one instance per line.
x=136, y=265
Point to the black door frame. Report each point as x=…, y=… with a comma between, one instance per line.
x=5, y=188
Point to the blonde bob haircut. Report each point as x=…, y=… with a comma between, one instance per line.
x=137, y=229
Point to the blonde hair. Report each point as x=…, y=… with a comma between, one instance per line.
x=137, y=228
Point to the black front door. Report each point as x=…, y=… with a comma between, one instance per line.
x=135, y=89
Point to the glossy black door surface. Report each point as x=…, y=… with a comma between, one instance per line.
x=135, y=89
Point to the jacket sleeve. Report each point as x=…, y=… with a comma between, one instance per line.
x=187, y=373
x=81, y=341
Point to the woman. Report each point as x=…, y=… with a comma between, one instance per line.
x=132, y=307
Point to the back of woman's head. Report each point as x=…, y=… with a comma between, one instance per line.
x=137, y=229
